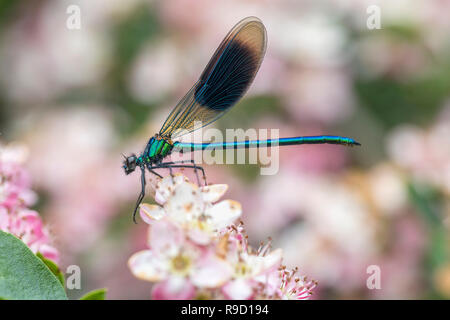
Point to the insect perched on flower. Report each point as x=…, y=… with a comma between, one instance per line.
x=224, y=81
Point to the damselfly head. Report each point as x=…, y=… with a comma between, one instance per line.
x=129, y=164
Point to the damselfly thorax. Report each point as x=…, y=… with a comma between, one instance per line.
x=156, y=150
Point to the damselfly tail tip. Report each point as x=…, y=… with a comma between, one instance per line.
x=355, y=143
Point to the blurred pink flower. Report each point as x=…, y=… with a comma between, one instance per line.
x=319, y=94
x=15, y=217
x=424, y=153
x=73, y=162
x=321, y=221
x=155, y=72
x=44, y=58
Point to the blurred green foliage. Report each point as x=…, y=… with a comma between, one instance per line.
x=429, y=204
x=129, y=37
x=414, y=99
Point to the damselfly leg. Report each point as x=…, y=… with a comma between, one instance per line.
x=182, y=164
x=142, y=194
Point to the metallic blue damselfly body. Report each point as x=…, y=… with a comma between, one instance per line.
x=224, y=81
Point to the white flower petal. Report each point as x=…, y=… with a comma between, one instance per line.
x=147, y=266
x=224, y=213
x=185, y=204
x=270, y=280
x=166, y=185
x=165, y=238
x=199, y=236
x=160, y=197
x=174, y=288
x=238, y=289
x=214, y=192
x=260, y=265
x=151, y=212
x=211, y=272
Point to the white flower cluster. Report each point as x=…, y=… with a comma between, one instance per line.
x=195, y=249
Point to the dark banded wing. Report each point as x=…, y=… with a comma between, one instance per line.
x=224, y=81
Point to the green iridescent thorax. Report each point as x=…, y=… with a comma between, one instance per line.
x=157, y=149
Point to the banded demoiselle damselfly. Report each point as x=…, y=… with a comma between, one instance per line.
x=224, y=81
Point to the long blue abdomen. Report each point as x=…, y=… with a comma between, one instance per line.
x=266, y=143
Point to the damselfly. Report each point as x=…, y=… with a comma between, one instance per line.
x=224, y=81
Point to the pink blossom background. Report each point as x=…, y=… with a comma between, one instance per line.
x=77, y=99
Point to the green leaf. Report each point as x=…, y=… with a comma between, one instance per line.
x=23, y=275
x=98, y=294
x=53, y=268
